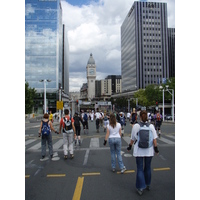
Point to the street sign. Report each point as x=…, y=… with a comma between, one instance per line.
x=59, y=105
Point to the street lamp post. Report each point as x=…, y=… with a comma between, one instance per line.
x=44, y=80
x=164, y=101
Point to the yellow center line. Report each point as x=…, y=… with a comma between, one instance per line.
x=127, y=172
x=78, y=189
x=91, y=174
x=55, y=175
x=161, y=169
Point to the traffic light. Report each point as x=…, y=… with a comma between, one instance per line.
x=156, y=103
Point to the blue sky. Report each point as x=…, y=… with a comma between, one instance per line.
x=95, y=27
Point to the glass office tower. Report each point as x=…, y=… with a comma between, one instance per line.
x=44, y=49
x=144, y=46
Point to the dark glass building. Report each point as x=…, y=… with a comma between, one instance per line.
x=144, y=46
x=171, y=45
x=44, y=50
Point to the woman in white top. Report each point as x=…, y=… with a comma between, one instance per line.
x=143, y=155
x=114, y=134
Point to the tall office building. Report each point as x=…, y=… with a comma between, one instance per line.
x=171, y=45
x=144, y=45
x=45, y=50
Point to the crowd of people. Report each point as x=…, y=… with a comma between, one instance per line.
x=113, y=124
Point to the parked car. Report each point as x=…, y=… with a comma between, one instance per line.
x=168, y=117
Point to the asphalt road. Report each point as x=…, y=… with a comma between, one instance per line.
x=88, y=175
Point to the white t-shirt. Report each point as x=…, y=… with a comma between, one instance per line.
x=97, y=115
x=140, y=152
x=114, y=132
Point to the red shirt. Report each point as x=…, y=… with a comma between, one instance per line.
x=62, y=121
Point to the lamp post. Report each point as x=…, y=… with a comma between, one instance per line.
x=172, y=93
x=44, y=80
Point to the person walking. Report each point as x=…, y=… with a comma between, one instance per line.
x=158, y=121
x=77, y=120
x=114, y=135
x=67, y=123
x=97, y=117
x=51, y=116
x=45, y=130
x=85, y=122
x=143, y=151
x=133, y=117
x=105, y=121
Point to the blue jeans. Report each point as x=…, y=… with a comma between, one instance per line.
x=143, y=177
x=47, y=139
x=115, y=148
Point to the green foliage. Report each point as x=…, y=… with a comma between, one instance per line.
x=29, y=97
x=152, y=93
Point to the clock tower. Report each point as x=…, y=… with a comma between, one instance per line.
x=91, y=77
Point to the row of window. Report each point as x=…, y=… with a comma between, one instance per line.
x=153, y=64
x=153, y=70
x=152, y=46
x=150, y=34
x=151, y=11
x=153, y=57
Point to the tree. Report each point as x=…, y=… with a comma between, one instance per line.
x=29, y=97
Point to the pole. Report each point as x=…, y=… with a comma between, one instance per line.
x=163, y=105
x=60, y=92
x=172, y=105
x=44, y=96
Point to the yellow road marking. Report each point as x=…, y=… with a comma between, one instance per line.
x=78, y=189
x=161, y=169
x=127, y=172
x=27, y=176
x=91, y=174
x=55, y=175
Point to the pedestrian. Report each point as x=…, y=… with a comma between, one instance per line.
x=92, y=115
x=77, y=120
x=97, y=117
x=114, y=135
x=105, y=121
x=67, y=123
x=51, y=116
x=122, y=122
x=85, y=122
x=45, y=129
x=133, y=117
x=158, y=121
x=101, y=118
x=143, y=151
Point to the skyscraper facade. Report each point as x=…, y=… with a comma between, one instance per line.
x=144, y=45
x=171, y=45
x=44, y=49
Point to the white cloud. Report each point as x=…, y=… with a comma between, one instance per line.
x=95, y=28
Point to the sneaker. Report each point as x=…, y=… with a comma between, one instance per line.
x=65, y=157
x=148, y=188
x=140, y=192
x=123, y=170
x=71, y=156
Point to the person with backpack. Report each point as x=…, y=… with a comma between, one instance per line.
x=77, y=120
x=97, y=117
x=67, y=123
x=158, y=121
x=143, y=136
x=45, y=130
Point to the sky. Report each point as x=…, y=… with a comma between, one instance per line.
x=94, y=27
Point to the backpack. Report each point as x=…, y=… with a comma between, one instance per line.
x=122, y=120
x=76, y=121
x=85, y=117
x=145, y=136
x=46, y=128
x=158, y=117
x=68, y=124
